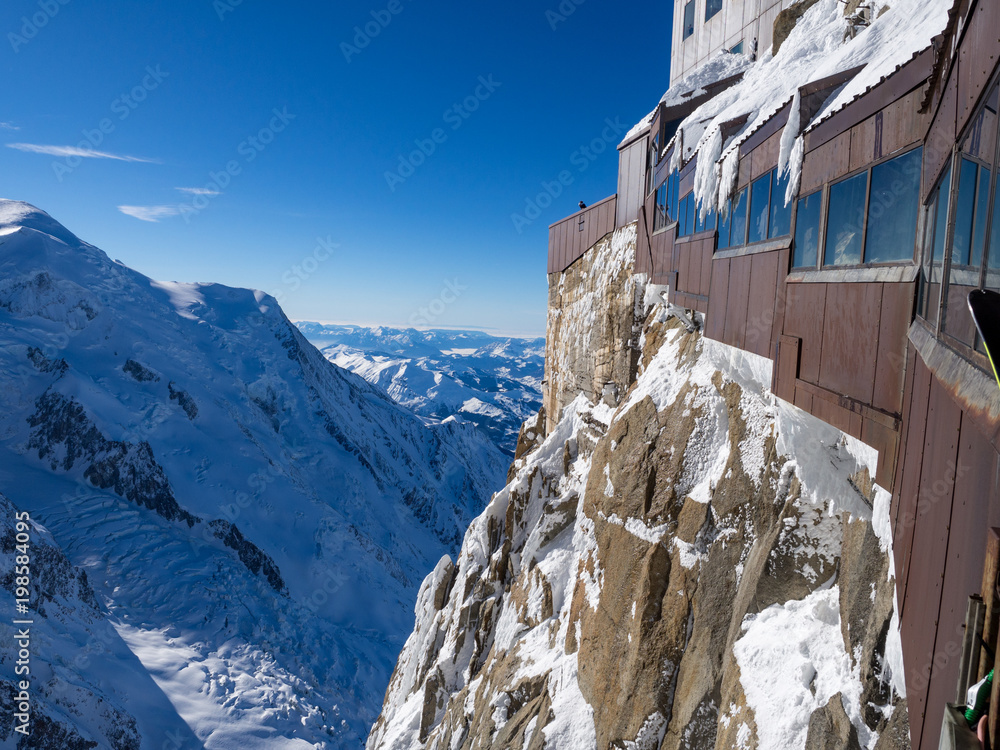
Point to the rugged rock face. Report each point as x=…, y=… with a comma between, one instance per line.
x=697, y=566
x=592, y=330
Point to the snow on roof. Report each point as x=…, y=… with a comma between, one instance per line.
x=815, y=49
x=639, y=128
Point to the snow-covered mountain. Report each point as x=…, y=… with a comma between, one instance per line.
x=493, y=382
x=234, y=527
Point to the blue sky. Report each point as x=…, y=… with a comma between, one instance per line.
x=308, y=164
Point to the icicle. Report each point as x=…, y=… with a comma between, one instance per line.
x=730, y=172
x=794, y=170
x=790, y=133
x=707, y=170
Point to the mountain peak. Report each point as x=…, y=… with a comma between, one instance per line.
x=16, y=215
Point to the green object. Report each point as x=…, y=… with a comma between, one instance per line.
x=984, y=305
x=976, y=708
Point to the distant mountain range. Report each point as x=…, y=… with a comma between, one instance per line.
x=492, y=382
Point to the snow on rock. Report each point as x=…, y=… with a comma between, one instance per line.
x=635, y=552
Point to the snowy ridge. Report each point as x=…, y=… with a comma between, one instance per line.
x=253, y=519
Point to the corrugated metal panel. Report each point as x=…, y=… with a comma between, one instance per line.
x=909, y=485
x=804, y=305
x=850, y=339
x=567, y=243
x=886, y=441
x=715, y=322
x=894, y=321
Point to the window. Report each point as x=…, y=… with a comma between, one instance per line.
x=688, y=20
x=966, y=260
x=781, y=214
x=660, y=208
x=937, y=223
x=712, y=7
x=845, y=221
x=673, y=190
x=892, y=209
x=725, y=219
x=737, y=49
x=738, y=222
x=686, y=216
x=807, y=231
x=760, y=205
x=706, y=222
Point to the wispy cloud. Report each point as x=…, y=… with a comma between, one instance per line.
x=149, y=213
x=8, y=126
x=84, y=153
x=199, y=191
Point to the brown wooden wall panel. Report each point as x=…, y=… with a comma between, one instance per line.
x=746, y=167
x=863, y=148
x=911, y=366
x=850, y=339
x=804, y=305
x=787, y=367
x=828, y=162
x=718, y=298
x=765, y=156
x=903, y=124
x=922, y=600
x=739, y=297
x=886, y=441
x=662, y=245
x=567, y=243
x=708, y=250
x=940, y=139
x=683, y=267
x=963, y=572
x=760, y=307
x=836, y=415
x=894, y=321
x=909, y=485
x=977, y=57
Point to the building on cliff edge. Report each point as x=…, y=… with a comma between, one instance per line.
x=822, y=189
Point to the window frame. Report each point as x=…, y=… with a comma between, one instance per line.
x=718, y=10
x=952, y=168
x=685, y=32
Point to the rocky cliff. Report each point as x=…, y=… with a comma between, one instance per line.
x=679, y=559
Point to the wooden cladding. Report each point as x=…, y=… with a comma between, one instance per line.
x=946, y=503
x=570, y=238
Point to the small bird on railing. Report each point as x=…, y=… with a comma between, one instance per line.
x=582, y=204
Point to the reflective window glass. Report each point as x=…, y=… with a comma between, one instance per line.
x=807, y=231
x=845, y=221
x=893, y=207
